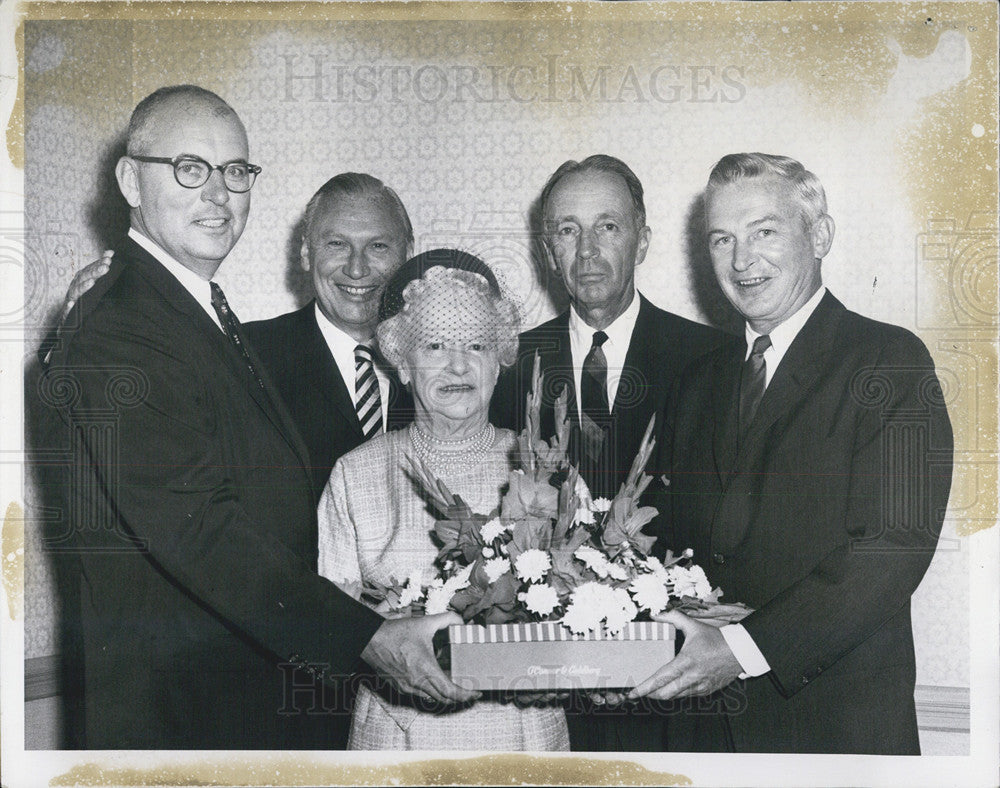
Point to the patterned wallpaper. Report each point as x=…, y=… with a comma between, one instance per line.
x=466, y=120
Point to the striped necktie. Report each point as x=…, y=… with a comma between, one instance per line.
x=367, y=401
x=752, y=379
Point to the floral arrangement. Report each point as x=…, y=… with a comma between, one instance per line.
x=549, y=552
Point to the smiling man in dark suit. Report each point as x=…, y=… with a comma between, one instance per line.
x=321, y=357
x=810, y=464
x=188, y=499
x=615, y=352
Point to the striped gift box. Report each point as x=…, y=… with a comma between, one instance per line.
x=547, y=656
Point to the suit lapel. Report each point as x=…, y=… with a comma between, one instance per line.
x=638, y=356
x=725, y=395
x=802, y=365
x=180, y=299
x=335, y=394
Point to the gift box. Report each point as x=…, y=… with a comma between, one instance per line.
x=547, y=656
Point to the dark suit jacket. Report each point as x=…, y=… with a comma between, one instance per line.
x=192, y=511
x=662, y=345
x=823, y=521
x=300, y=365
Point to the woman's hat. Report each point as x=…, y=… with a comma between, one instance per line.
x=414, y=268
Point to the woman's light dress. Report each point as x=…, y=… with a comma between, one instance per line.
x=374, y=525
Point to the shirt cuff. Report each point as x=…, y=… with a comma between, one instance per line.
x=745, y=650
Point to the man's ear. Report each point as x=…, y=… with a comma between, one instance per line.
x=549, y=257
x=643, y=246
x=822, y=236
x=128, y=180
x=304, y=255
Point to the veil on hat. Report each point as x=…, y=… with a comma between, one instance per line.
x=414, y=268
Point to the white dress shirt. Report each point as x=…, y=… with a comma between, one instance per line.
x=737, y=638
x=783, y=334
x=342, y=346
x=581, y=339
x=200, y=289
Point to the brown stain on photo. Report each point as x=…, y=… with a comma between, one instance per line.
x=13, y=560
x=15, y=124
x=508, y=769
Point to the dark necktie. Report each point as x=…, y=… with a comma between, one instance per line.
x=595, y=413
x=231, y=327
x=594, y=381
x=752, y=382
x=367, y=401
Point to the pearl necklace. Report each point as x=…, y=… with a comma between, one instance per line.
x=447, y=455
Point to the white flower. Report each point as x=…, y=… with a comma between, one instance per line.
x=488, y=552
x=581, y=618
x=588, y=606
x=439, y=594
x=591, y=593
x=601, y=504
x=689, y=582
x=617, y=571
x=619, y=609
x=650, y=592
x=492, y=530
x=495, y=567
x=702, y=588
x=540, y=598
x=593, y=603
x=438, y=600
x=532, y=565
x=413, y=590
x=655, y=567
x=584, y=515
x=593, y=558
x=689, y=553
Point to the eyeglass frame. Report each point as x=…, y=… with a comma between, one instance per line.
x=253, y=169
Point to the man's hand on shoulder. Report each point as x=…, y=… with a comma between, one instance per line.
x=84, y=280
x=704, y=665
x=402, y=652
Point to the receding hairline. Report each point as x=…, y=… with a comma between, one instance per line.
x=598, y=163
x=189, y=101
x=583, y=173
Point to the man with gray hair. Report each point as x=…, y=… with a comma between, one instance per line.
x=322, y=358
x=188, y=498
x=809, y=468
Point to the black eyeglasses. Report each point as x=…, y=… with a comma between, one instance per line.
x=192, y=172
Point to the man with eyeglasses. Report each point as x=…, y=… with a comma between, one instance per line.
x=188, y=499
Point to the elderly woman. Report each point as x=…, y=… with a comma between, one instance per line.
x=447, y=342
